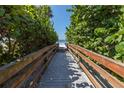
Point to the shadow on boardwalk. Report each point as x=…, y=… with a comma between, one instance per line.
x=64, y=72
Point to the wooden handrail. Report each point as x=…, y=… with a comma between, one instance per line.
x=107, y=62
x=104, y=61
x=30, y=70
x=92, y=79
x=30, y=62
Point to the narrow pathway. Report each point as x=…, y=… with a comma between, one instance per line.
x=64, y=72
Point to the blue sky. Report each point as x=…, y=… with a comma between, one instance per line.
x=61, y=19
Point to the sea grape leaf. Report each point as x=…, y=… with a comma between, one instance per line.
x=2, y=12
x=119, y=38
x=120, y=48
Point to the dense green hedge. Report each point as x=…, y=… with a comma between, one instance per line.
x=98, y=28
x=24, y=29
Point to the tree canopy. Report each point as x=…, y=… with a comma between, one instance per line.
x=98, y=28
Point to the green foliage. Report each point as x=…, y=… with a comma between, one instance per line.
x=24, y=29
x=120, y=47
x=2, y=11
x=98, y=28
x=120, y=50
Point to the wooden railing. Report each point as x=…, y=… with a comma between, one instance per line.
x=98, y=68
x=28, y=70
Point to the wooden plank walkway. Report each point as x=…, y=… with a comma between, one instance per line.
x=64, y=72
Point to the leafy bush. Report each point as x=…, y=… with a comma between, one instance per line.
x=24, y=29
x=98, y=28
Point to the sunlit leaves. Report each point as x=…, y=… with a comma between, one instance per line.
x=100, y=31
x=120, y=51
x=120, y=48
x=98, y=28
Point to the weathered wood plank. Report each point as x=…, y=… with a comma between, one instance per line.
x=107, y=62
x=64, y=72
x=111, y=79
x=89, y=75
x=18, y=66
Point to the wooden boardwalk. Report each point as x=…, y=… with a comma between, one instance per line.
x=64, y=72
x=54, y=67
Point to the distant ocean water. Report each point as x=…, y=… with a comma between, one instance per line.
x=62, y=43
